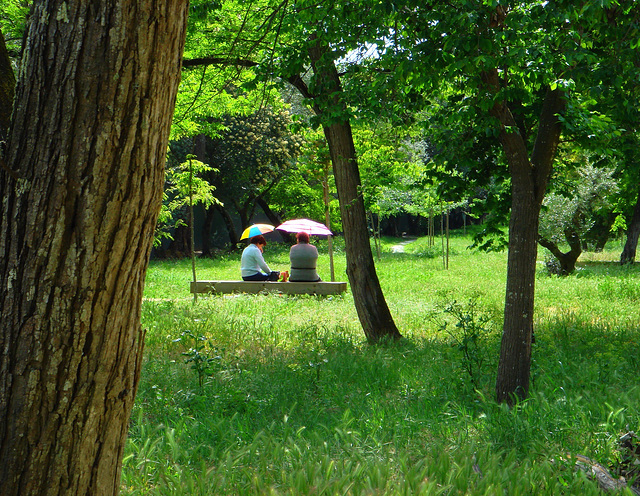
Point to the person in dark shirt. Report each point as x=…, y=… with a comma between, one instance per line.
x=303, y=257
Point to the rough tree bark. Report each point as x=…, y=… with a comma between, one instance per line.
x=371, y=306
x=628, y=255
x=529, y=178
x=87, y=144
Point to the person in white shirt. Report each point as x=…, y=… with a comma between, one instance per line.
x=252, y=264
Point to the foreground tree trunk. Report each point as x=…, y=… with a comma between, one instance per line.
x=372, y=309
x=87, y=145
x=529, y=178
x=628, y=255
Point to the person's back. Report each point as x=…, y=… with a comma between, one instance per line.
x=252, y=262
x=303, y=257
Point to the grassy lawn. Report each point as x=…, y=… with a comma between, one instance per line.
x=269, y=394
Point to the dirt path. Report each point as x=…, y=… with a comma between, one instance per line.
x=399, y=248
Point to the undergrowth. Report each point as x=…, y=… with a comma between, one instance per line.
x=270, y=394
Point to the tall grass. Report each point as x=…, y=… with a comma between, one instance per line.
x=295, y=402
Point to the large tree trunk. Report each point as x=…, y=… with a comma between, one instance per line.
x=7, y=84
x=628, y=255
x=370, y=304
x=88, y=143
x=528, y=186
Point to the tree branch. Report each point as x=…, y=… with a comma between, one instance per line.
x=296, y=80
x=226, y=61
x=547, y=139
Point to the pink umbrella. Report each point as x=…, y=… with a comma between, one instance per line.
x=306, y=225
x=310, y=227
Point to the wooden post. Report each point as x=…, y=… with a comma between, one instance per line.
x=444, y=262
x=327, y=217
x=432, y=228
x=447, y=264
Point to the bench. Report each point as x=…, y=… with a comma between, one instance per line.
x=220, y=287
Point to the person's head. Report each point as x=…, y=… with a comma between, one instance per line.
x=302, y=237
x=258, y=240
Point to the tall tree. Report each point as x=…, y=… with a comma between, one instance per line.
x=86, y=151
x=495, y=66
x=331, y=108
x=254, y=153
x=529, y=177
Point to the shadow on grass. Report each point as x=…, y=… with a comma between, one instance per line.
x=395, y=393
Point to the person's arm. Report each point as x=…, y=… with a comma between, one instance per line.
x=261, y=263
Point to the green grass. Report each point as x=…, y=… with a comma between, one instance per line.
x=295, y=402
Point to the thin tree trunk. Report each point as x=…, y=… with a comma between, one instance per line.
x=369, y=301
x=376, y=235
x=447, y=231
x=444, y=265
x=529, y=180
x=628, y=255
x=88, y=143
x=192, y=229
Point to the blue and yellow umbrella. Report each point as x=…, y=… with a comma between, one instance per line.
x=255, y=230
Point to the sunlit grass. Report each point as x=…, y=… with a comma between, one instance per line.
x=296, y=402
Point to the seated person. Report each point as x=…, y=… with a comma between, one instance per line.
x=252, y=263
x=303, y=258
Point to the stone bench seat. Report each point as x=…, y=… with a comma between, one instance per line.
x=221, y=287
